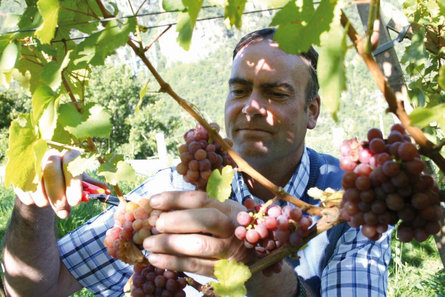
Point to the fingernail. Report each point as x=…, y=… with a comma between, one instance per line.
x=155, y=201
x=63, y=214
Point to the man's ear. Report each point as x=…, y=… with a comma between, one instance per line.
x=313, y=110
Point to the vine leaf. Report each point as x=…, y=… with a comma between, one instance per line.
x=52, y=72
x=116, y=170
x=49, y=9
x=9, y=53
x=422, y=117
x=231, y=277
x=170, y=5
x=441, y=79
x=94, y=49
x=44, y=110
x=234, y=12
x=300, y=26
x=331, y=69
x=81, y=164
x=142, y=93
x=219, y=185
x=25, y=153
x=186, y=22
x=94, y=121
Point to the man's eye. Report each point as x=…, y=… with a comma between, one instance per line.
x=239, y=92
x=278, y=95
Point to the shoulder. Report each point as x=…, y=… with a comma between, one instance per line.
x=325, y=170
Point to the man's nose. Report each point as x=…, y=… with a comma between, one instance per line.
x=254, y=106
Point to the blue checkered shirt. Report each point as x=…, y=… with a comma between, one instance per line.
x=356, y=268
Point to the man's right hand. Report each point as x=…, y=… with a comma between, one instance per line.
x=58, y=187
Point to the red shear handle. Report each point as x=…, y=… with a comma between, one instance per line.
x=92, y=189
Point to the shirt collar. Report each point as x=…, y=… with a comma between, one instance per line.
x=296, y=185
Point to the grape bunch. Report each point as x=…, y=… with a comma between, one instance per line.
x=268, y=229
x=131, y=224
x=200, y=156
x=151, y=281
x=384, y=183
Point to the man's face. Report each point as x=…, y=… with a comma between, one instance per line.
x=265, y=112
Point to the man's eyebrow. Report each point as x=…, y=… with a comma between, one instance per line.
x=286, y=86
x=241, y=81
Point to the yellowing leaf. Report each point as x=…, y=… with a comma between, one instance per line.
x=25, y=154
x=234, y=12
x=49, y=9
x=231, y=277
x=219, y=185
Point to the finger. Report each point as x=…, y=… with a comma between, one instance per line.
x=39, y=196
x=54, y=184
x=185, y=200
x=25, y=197
x=197, y=245
x=73, y=184
x=188, y=264
x=198, y=220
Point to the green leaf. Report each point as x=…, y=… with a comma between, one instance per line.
x=234, y=12
x=79, y=15
x=81, y=164
x=95, y=48
x=44, y=106
x=299, y=27
x=331, y=70
x=52, y=72
x=8, y=55
x=117, y=171
x=442, y=6
x=219, y=185
x=173, y=5
x=423, y=117
x=186, y=22
x=94, y=121
x=49, y=9
x=441, y=79
x=141, y=98
x=25, y=154
x=31, y=18
x=231, y=277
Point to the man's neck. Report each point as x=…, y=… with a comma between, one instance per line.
x=279, y=174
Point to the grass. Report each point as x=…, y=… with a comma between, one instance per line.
x=415, y=269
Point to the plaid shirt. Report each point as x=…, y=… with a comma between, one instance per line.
x=357, y=266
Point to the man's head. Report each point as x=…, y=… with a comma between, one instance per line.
x=311, y=56
x=269, y=108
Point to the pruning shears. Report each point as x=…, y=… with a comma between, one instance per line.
x=90, y=191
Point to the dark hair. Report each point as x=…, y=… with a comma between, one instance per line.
x=311, y=56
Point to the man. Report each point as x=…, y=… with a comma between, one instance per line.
x=273, y=98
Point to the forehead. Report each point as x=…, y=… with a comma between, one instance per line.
x=265, y=61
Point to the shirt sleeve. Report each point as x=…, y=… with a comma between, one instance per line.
x=84, y=253
x=358, y=266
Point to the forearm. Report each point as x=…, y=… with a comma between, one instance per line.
x=30, y=255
